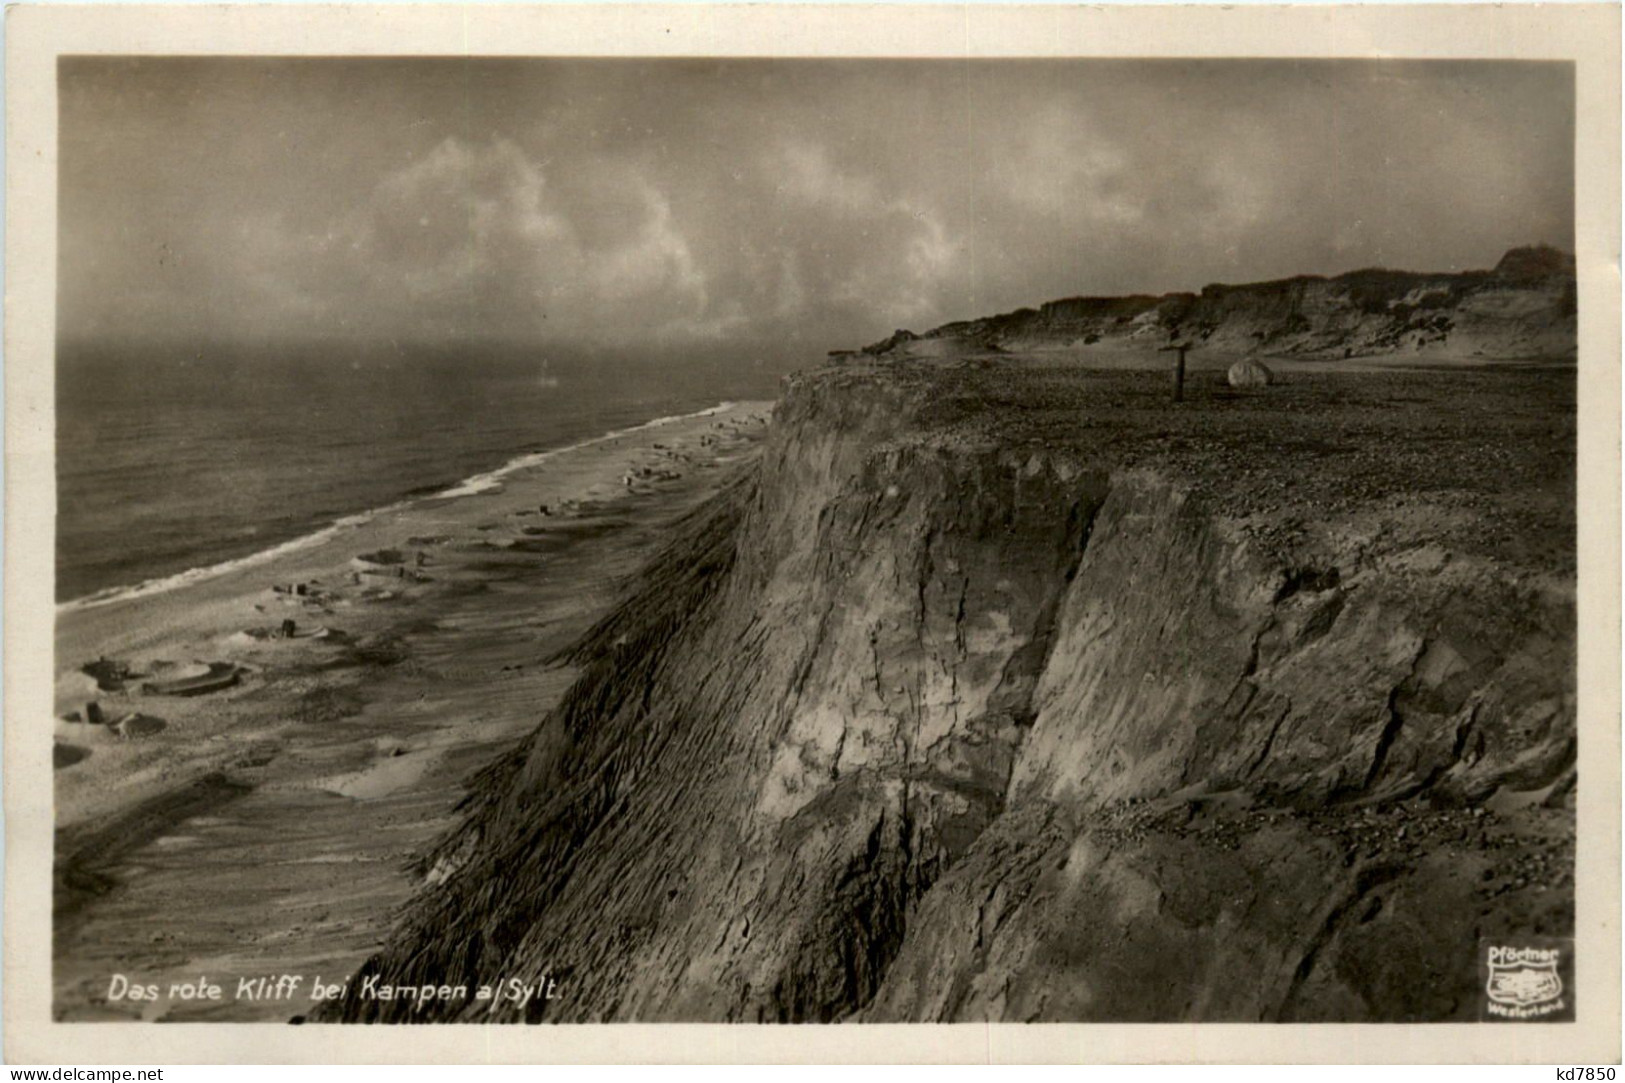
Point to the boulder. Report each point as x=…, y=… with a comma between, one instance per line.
x=1249, y=372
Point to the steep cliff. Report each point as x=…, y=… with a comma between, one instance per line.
x=1525, y=307
x=1012, y=692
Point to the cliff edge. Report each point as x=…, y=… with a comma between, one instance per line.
x=1010, y=691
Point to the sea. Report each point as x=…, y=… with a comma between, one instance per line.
x=173, y=461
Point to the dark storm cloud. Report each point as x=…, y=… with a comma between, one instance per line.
x=635, y=203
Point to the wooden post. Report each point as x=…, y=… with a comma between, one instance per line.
x=1179, y=350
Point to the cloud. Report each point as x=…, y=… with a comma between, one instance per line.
x=460, y=219
x=1063, y=164
x=480, y=231
x=869, y=247
x=645, y=202
x=476, y=238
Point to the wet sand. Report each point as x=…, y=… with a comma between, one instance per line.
x=269, y=827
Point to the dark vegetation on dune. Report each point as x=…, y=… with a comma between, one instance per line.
x=1008, y=691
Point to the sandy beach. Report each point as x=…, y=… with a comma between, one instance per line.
x=250, y=801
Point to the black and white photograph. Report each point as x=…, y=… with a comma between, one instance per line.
x=808, y=539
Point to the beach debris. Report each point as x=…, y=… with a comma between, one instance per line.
x=388, y=562
x=648, y=473
x=290, y=630
x=544, y=509
x=93, y=713
x=73, y=716
x=297, y=590
x=428, y=539
x=216, y=676
x=109, y=673
x=308, y=595
x=403, y=572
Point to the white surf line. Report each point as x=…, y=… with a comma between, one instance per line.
x=478, y=483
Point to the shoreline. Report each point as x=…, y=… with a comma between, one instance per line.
x=332, y=757
x=469, y=486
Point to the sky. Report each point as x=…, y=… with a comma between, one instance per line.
x=755, y=205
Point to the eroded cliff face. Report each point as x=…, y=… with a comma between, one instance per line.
x=1193, y=828
x=926, y=720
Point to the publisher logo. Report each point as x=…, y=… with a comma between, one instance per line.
x=1527, y=978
